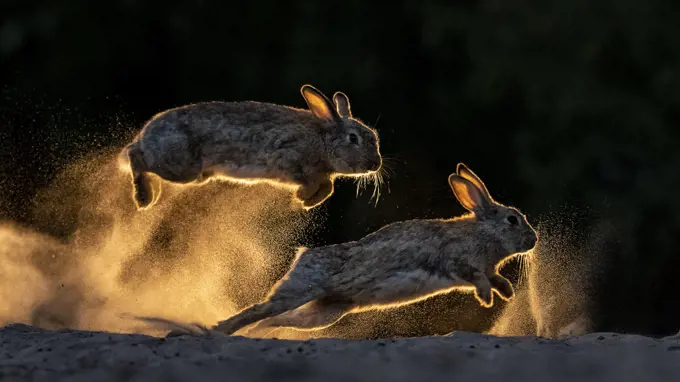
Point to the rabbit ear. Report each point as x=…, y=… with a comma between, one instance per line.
x=465, y=172
x=469, y=196
x=342, y=104
x=319, y=104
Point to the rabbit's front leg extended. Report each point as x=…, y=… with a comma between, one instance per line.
x=462, y=270
x=502, y=286
x=314, y=193
x=482, y=288
x=307, y=190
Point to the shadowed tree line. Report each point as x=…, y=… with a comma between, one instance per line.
x=554, y=103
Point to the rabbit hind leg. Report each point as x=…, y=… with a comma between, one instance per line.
x=502, y=286
x=143, y=192
x=315, y=315
x=288, y=295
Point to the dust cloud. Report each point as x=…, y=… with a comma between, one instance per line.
x=92, y=261
x=555, y=287
x=557, y=282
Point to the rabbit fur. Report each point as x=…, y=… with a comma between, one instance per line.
x=398, y=264
x=253, y=142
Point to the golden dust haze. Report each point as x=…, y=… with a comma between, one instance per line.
x=199, y=255
x=554, y=293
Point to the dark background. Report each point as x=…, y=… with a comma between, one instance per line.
x=556, y=104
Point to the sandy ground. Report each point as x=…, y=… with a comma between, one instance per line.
x=27, y=353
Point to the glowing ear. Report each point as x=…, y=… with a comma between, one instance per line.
x=466, y=173
x=342, y=105
x=318, y=104
x=467, y=193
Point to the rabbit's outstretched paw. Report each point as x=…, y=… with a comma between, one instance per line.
x=484, y=296
x=323, y=191
x=502, y=286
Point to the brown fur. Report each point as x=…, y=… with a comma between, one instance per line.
x=399, y=264
x=253, y=141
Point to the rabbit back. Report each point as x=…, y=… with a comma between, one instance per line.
x=241, y=139
x=169, y=150
x=398, y=264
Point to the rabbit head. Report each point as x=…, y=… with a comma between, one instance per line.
x=353, y=148
x=506, y=224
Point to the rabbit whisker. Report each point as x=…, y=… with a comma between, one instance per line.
x=390, y=159
x=378, y=179
x=522, y=267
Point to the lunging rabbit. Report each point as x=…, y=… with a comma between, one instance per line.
x=252, y=142
x=399, y=264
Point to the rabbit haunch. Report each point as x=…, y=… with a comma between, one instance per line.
x=252, y=142
x=399, y=264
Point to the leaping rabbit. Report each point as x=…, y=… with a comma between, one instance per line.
x=399, y=264
x=254, y=142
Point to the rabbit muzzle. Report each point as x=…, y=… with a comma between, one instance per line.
x=374, y=165
x=529, y=241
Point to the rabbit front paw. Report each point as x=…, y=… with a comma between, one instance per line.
x=482, y=285
x=502, y=286
x=312, y=196
x=484, y=296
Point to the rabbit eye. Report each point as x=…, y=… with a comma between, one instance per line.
x=353, y=138
x=512, y=219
